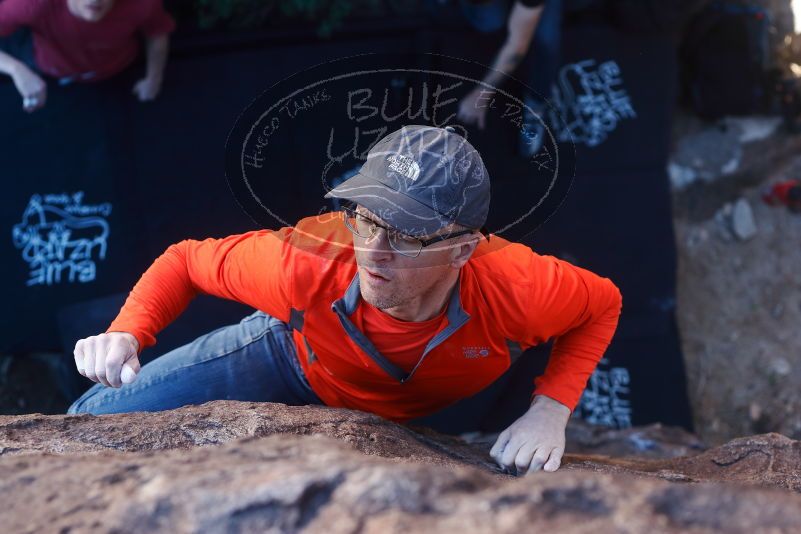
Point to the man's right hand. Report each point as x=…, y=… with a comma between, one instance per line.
x=32, y=88
x=111, y=359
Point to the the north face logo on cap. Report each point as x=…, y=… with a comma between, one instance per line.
x=404, y=165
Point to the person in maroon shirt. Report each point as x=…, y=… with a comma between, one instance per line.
x=81, y=41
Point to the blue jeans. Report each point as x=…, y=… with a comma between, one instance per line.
x=254, y=360
x=546, y=56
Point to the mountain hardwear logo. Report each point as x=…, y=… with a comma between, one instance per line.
x=475, y=352
x=404, y=165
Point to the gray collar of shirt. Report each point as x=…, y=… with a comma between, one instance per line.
x=345, y=306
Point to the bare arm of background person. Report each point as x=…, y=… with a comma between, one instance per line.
x=30, y=85
x=522, y=24
x=157, y=49
x=111, y=359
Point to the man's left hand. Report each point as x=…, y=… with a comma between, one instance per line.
x=147, y=89
x=536, y=440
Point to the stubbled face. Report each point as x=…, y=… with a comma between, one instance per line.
x=90, y=10
x=389, y=279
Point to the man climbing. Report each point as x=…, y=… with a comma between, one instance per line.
x=399, y=305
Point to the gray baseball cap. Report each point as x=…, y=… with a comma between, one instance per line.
x=419, y=179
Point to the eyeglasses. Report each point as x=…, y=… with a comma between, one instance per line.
x=406, y=245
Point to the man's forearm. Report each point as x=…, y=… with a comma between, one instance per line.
x=158, y=49
x=224, y=268
x=576, y=353
x=162, y=293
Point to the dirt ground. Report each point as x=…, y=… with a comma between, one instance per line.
x=739, y=301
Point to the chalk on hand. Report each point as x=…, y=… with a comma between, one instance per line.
x=127, y=375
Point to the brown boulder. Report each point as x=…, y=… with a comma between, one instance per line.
x=768, y=460
x=219, y=422
x=282, y=469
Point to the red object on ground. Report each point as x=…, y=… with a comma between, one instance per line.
x=508, y=299
x=67, y=46
x=779, y=194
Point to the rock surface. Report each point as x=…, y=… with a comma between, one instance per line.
x=248, y=467
x=220, y=422
x=768, y=460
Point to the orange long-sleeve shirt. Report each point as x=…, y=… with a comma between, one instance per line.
x=508, y=299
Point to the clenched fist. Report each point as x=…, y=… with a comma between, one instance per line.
x=111, y=359
x=32, y=88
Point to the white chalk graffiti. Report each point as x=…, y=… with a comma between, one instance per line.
x=591, y=100
x=604, y=402
x=61, y=238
